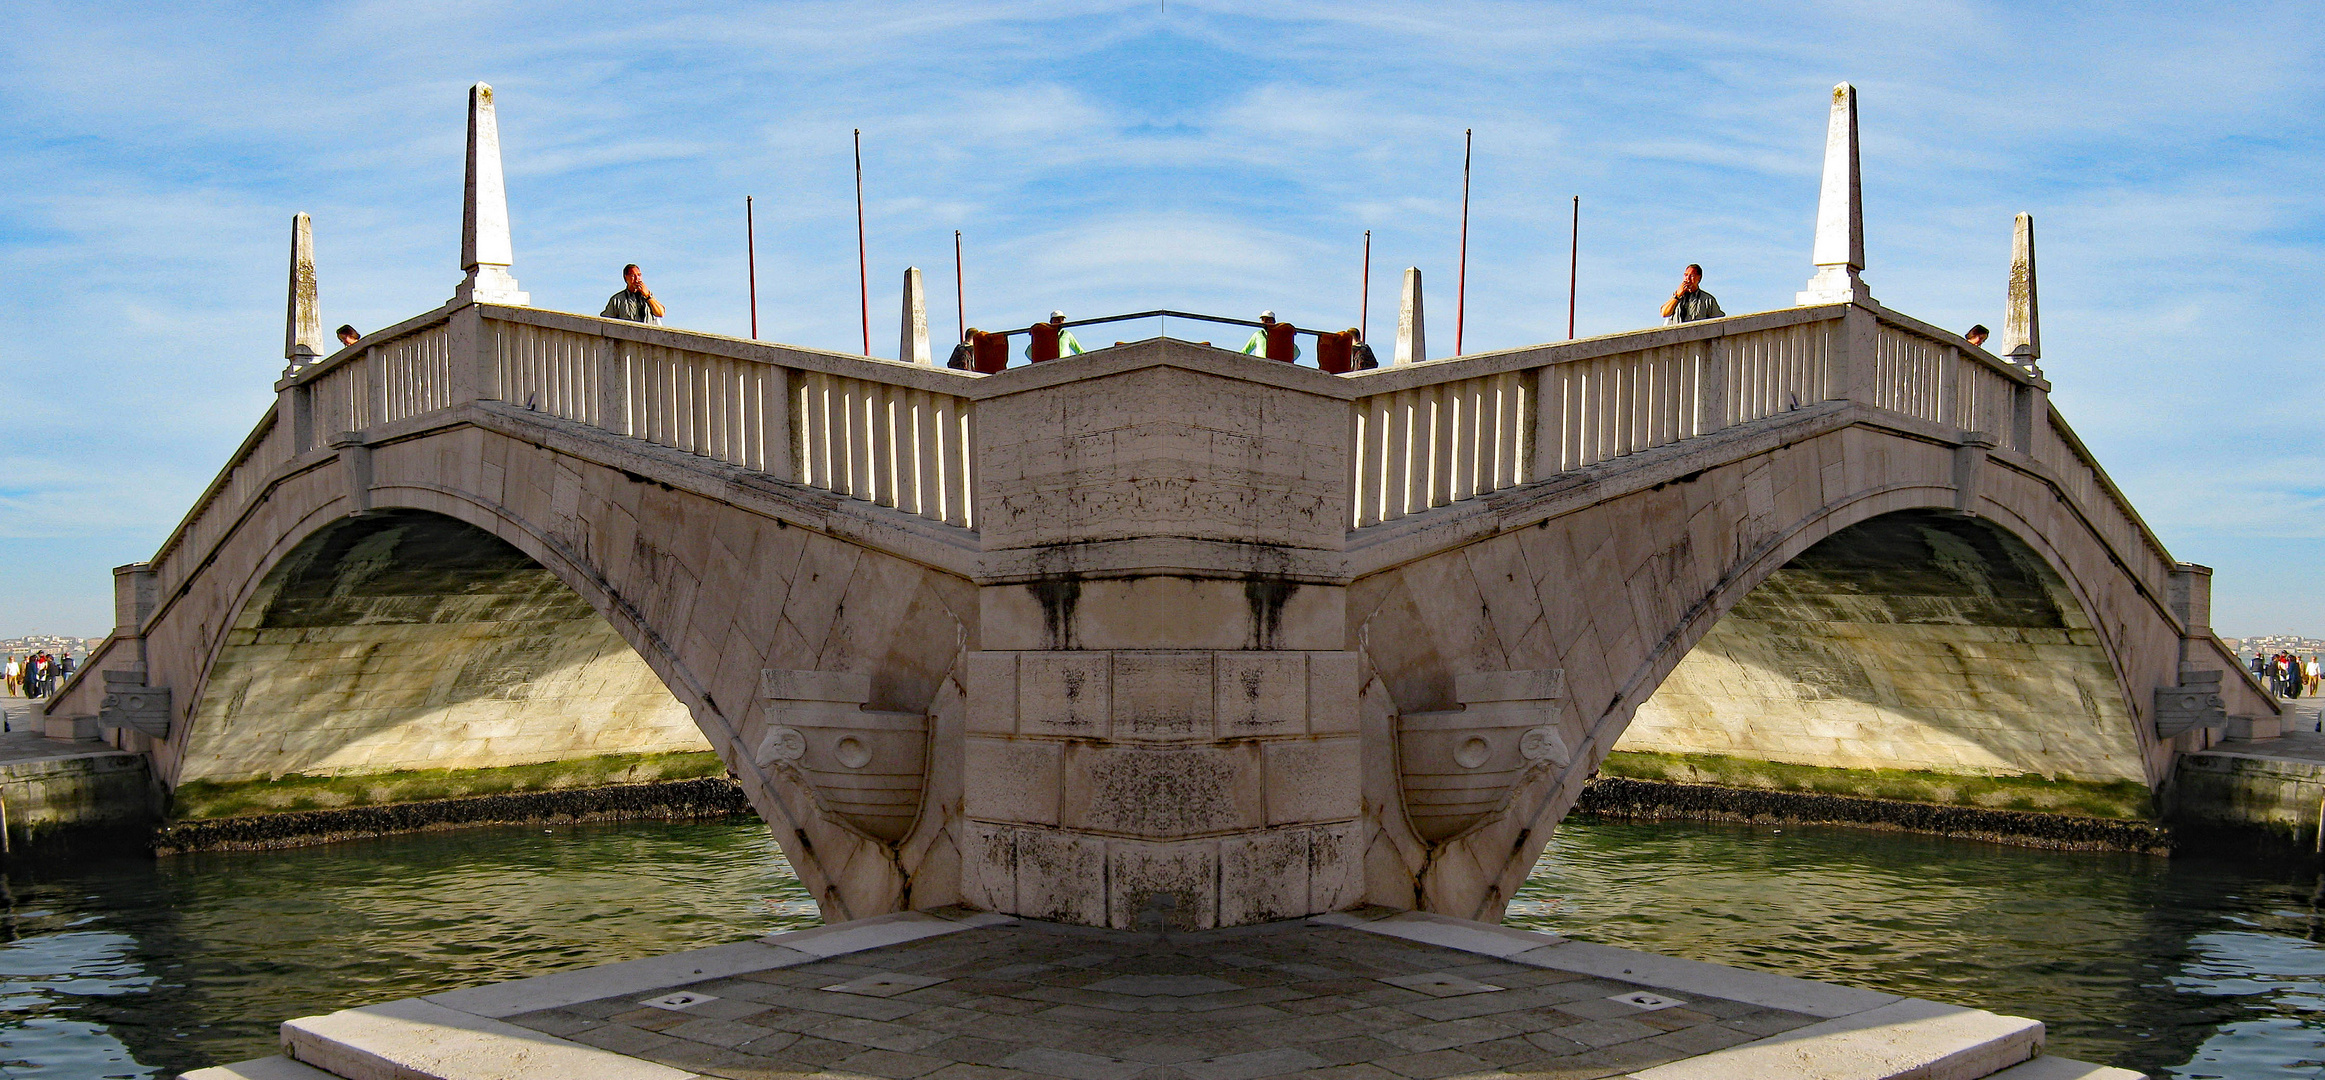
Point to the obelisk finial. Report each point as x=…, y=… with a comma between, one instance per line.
x=1412, y=342
x=2022, y=323
x=1840, y=211
x=302, y=319
x=912, y=342
x=485, y=252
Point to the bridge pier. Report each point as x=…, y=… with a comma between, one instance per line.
x=1162, y=718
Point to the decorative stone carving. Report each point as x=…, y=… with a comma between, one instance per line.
x=781, y=744
x=2196, y=702
x=866, y=765
x=129, y=703
x=1458, y=765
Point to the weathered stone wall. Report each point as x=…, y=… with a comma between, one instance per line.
x=406, y=640
x=1921, y=640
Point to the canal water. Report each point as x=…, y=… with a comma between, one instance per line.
x=133, y=967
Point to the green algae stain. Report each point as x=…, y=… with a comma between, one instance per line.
x=200, y=799
x=2126, y=799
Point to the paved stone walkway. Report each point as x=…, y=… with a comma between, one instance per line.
x=960, y=995
x=1095, y=1005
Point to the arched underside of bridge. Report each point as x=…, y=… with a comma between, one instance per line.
x=404, y=640
x=1920, y=640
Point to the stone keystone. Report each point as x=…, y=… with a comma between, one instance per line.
x=1840, y=211
x=485, y=251
x=912, y=343
x=302, y=321
x=1412, y=343
x=2022, y=323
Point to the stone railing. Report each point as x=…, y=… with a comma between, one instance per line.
x=1432, y=434
x=892, y=434
x=1437, y=443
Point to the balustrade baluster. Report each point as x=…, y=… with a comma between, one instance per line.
x=1397, y=452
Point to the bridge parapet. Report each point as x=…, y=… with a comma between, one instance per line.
x=1431, y=434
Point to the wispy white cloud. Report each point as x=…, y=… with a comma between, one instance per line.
x=1119, y=155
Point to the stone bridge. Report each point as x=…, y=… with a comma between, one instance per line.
x=1162, y=627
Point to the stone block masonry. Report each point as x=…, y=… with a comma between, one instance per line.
x=1198, y=787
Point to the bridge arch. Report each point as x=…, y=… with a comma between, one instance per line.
x=402, y=640
x=686, y=606
x=1613, y=590
x=1918, y=640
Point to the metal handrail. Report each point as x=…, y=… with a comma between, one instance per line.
x=1163, y=313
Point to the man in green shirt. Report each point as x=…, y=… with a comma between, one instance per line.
x=635, y=302
x=1690, y=303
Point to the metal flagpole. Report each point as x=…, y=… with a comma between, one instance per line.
x=863, y=268
x=960, y=292
x=751, y=257
x=1573, y=260
x=1461, y=285
x=1364, y=296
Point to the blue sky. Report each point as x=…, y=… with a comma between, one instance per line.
x=1110, y=157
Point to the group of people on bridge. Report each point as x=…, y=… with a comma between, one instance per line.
x=36, y=675
x=2288, y=676
x=1688, y=303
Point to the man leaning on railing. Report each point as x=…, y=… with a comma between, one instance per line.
x=1690, y=303
x=635, y=303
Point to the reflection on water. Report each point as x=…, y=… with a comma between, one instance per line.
x=2187, y=967
x=135, y=968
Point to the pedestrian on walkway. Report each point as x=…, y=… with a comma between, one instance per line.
x=15, y=677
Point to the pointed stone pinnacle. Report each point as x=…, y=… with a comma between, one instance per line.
x=1840, y=211
x=485, y=251
x=303, y=317
x=912, y=341
x=1412, y=341
x=2022, y=323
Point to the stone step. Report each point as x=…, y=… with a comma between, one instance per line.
x=2250, y=728
x=420, y=1040
x=2059, y=1068
x=267, y=1068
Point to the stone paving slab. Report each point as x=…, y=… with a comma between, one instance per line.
x=20, y=746
x=1360, y=996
